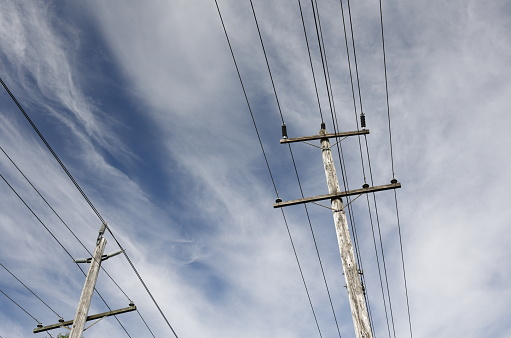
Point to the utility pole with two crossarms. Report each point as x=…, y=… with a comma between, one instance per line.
x=81, y=316
x=352, y=274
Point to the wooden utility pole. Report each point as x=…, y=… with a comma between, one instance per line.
x=88, y=289
x=81, y=316
x=356, y=291
x=351, y=272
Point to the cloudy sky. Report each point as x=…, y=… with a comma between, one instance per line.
x=143, y=104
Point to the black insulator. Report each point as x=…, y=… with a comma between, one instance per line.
x=61, y=320
x=393, y=181
x=132, y=304
x=363, y=120
x=278, y=200
x=323, y=125
x=39, y=325
x=284, y=130
x=365, y=186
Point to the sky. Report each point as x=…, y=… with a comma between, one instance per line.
x=143, y=104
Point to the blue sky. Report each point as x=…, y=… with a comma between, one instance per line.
x=142, y=103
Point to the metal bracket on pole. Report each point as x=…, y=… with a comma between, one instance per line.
x=103, y=257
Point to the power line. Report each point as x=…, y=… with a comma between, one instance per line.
x=326, y=73
x=266, y=160
x=403, y=264
x=88, y=202
x=61, y=245
x=310, y=61
x=266, y=59
x=392, y=162
x=291, y=152
x=76, y=237
x=42, y=301
x=360, y=143
x=12, y=300
x=381, y=242
x=60, y=218
x=361, y=154
x=145, y=323
x=315, y=245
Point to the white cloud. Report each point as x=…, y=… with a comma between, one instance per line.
x=214, y=253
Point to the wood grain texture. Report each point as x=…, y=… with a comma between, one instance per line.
x=351, y=272
x=88, y=289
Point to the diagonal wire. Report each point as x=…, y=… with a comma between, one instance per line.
x=12, y=300
x=60, y=218
x=360, y=148
x=393, y=172
x=381, y=241
x=145, y=323
x=88, y=202
x=61, y=245
x=333, y=112
x=403, y=263
x=315, y=244
x=63, y=222
x=292, y=157
x=26, y=287
x=267, y=164
x=310, y=60
x=267, y=63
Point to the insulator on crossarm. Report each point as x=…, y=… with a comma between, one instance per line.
x=323, y=125
x=362, y=120
x=284, y=130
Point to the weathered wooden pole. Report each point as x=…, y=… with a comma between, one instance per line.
x=351, y=272
x=88, y=289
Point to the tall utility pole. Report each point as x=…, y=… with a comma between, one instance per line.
x=352, y=274
x=88, y=289
x=81, y=316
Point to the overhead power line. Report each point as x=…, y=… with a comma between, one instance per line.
x=266, y=159
x=60, y=218
x=310, y=60
x=57, y=240
x=70, y=230
x=392, y=162
x=333, y=112
x=12, y=300
x=32, y=292
x=88, y=202
x=293, y=159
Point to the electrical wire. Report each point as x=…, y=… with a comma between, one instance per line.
x=26, y=287
x=61, y=220
x=332, y=107
x=310, y=61
x=326, y=73
x=315, y=244
x=381, y=242
x=88, y=202
x=360, y=149
x=12, y=300
x=403, y=264
x=145, y=323
x=291, y=152
x=392, y=162
x=267, y=164
x=61, y=245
